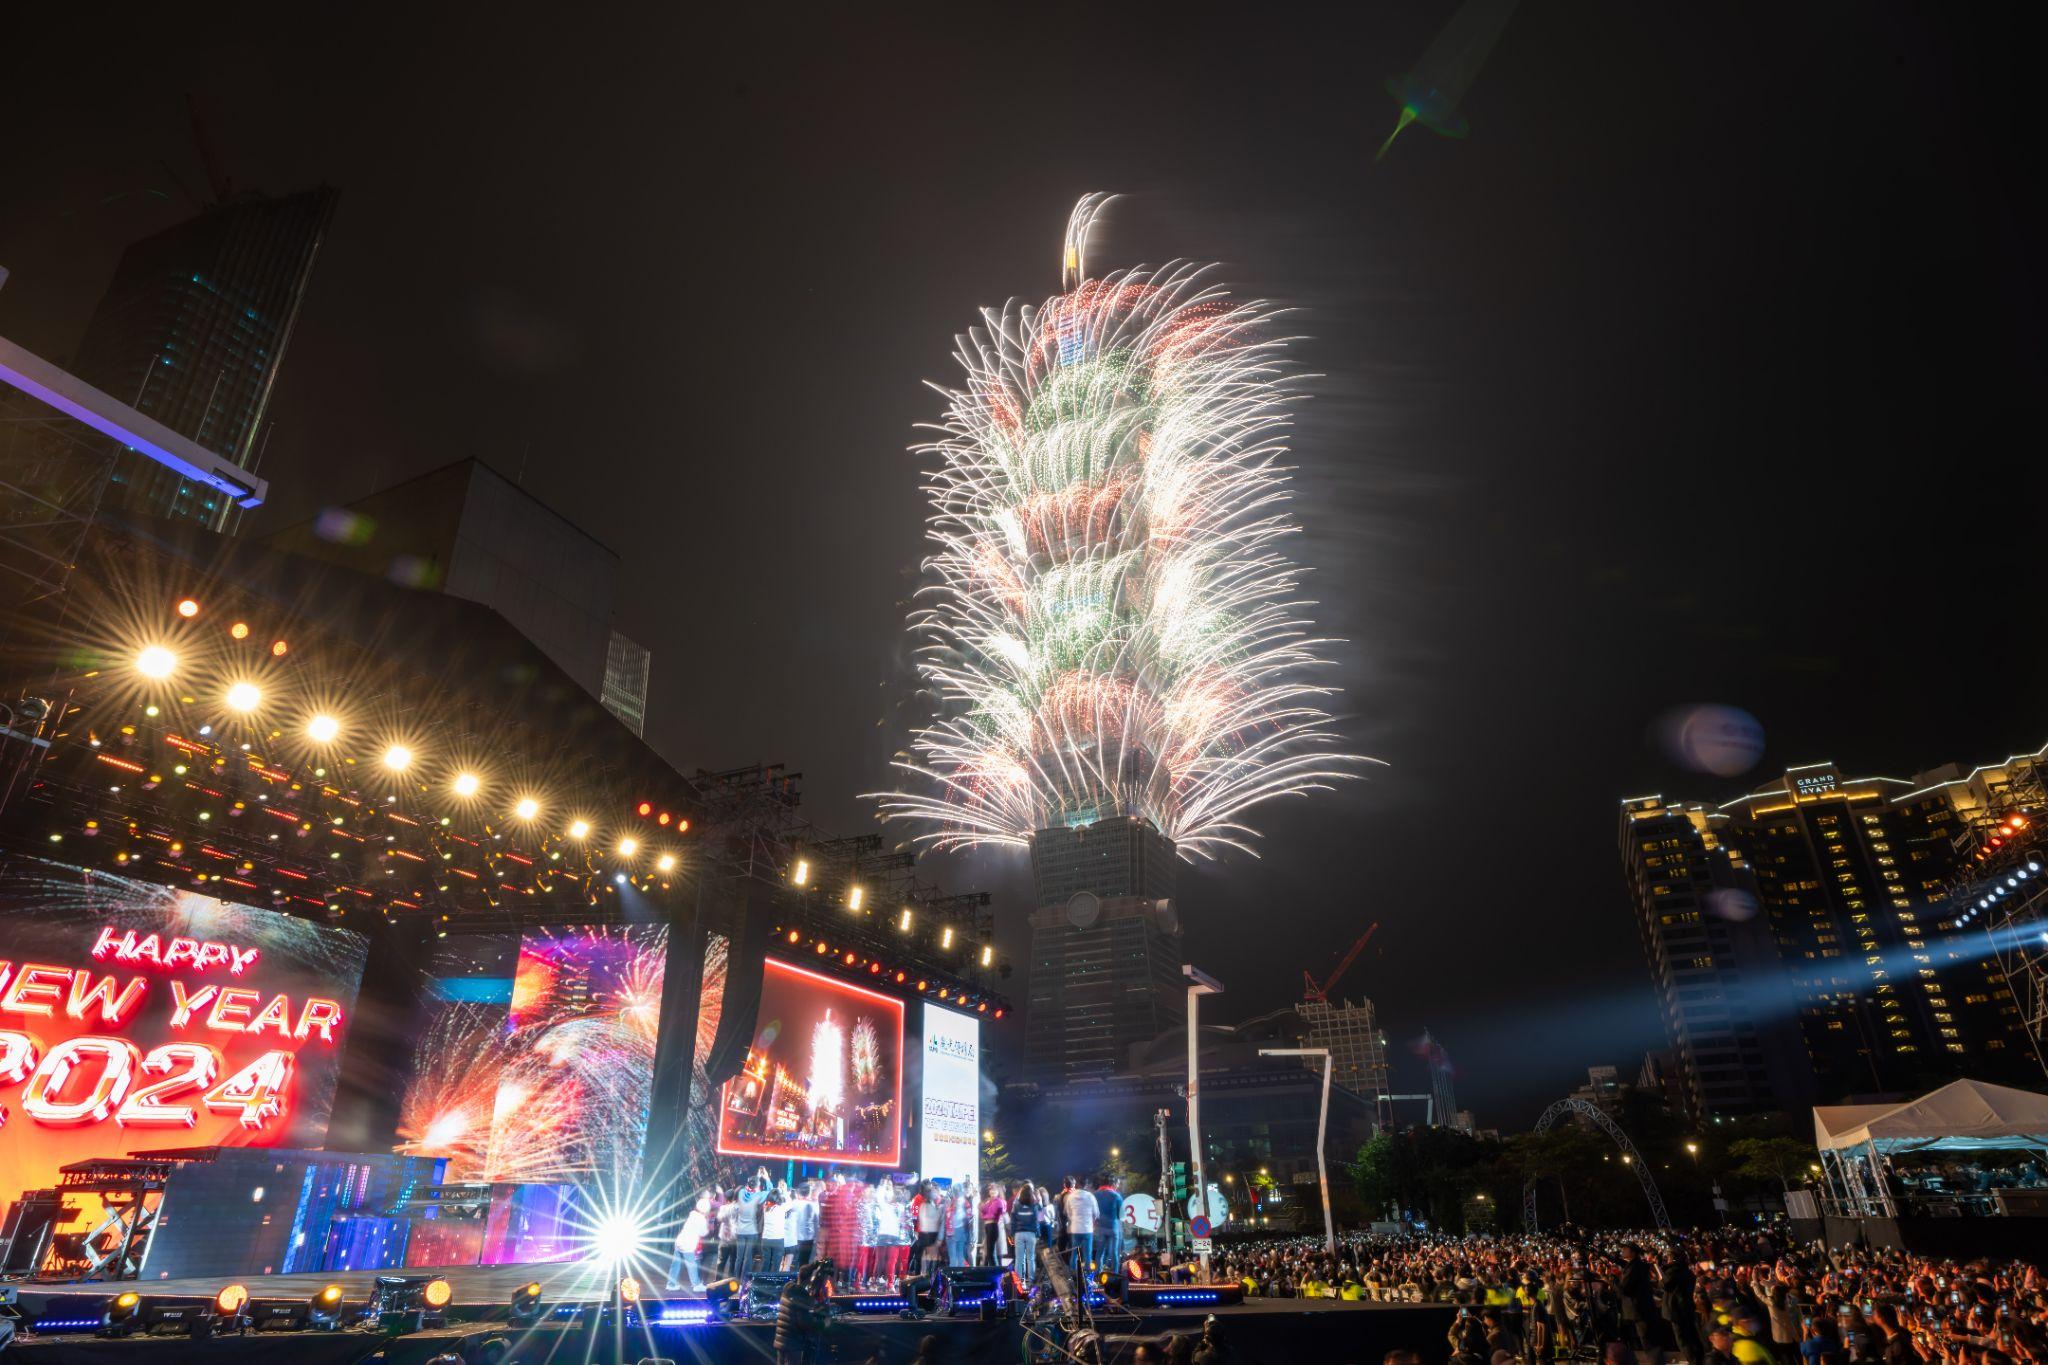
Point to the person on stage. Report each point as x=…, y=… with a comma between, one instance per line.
x=752, y=1203
x=1024, y=1233
x=689, y=1242
x=959, y=1223
x=800, y=1226
x=1078, y=1204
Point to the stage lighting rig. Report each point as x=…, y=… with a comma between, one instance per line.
x=324, y=1311
x=526, y=1309
x=119, y=1317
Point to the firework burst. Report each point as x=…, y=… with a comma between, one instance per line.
x=1113, y=627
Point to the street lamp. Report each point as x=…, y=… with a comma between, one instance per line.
x=1200, y=983
x=1322, y=1130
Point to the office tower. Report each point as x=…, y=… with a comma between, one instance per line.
x=626, y=669
x=467, y=531
x=1713, y=963
x=192, y=332
x=1358, y=1053
x=1105, y=949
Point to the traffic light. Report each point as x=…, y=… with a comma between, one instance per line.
x=1180, y=1184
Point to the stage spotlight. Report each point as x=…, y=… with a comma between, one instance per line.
x=155, y=662
x=628, y=847
x=188, y=609
x=527, y=808
x=662, y=819
x=719, y=1296
x=854, y=896
x=527, y=1308
x=946, y=937
x=646, y=808
x=466, y=784
x=629, y=1289
x=666, y=862
x=437, y=1293
x=988, y=954
x=244, y=697
x=579, y=829
x=278, y=649
x=240, y=630
x=921, y=985
x=118, y=1320
x=323, y=729
x=615, y=1239
x=903, y=921
x=901, y=977
x=324, y=1313
x=398, y=758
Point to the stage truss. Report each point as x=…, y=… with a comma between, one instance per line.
x=1630, y=1156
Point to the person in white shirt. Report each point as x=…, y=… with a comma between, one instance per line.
x=773, y=1214
x=799, y=1228
x=689, y=1242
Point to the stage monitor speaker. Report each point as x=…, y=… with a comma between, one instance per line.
x=764, y=1292
x=967, y=1287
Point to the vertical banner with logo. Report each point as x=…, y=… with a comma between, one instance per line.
x=951, y=1116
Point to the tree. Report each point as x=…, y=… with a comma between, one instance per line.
x=995, y=1158
x=1771, y=1158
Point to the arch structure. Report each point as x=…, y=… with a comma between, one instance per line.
x=1629, y=1155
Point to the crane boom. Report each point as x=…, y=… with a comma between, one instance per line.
x=1312, y=991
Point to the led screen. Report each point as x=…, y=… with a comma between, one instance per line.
x=950, y=1109
x=823, y=1078
x=138, y=1017
x=574, y=1085
x=535, y=1060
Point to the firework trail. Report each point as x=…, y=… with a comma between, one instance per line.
x=867, y=1057
x=1113, y=627
x=448, y=1106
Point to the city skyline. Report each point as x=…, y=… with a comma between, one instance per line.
x=1575, y=460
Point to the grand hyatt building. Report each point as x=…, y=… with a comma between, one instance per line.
x=1802, y=942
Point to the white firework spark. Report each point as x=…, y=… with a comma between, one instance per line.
x=827, y=1092
x=1114, y=627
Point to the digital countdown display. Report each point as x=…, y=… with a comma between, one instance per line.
x=823, y=1079
x=135, y=1016
x=950, y=1111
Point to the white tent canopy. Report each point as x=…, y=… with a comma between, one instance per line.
x=1961, y=1116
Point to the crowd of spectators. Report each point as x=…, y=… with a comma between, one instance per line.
x=1715, y=1298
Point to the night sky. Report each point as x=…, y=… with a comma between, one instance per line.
x=1707, y=369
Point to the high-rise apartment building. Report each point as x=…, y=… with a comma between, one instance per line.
x=1802, y=942
x=1105, y=949
x=1712, y=960
x=1358, y=1052
x=192, y=331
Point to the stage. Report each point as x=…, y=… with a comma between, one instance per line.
x=1259, y=1332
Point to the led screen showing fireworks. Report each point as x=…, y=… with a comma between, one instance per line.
x=578, y=1063
x=460, y=1051
x=702, y=1125
x=135, y=1016
x=824, y=1075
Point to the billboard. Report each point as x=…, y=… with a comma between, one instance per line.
x=535, y=1060
x=950, y=1112
x=823, y=1079
x=138, y=1017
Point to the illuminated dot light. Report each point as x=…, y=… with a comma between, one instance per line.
x=188, y=609
x=156, y=662
x=323, y=729
x=466, y=784
x=244, y=696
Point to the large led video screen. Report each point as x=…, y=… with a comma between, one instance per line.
x=138, y=1017
x=823, y=1079
x=949, y=1111
x=574, y=1083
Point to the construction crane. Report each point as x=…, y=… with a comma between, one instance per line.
x=1311, y=991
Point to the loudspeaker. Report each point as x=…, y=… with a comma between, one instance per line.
x=764, y=1292
x=964, y=1288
